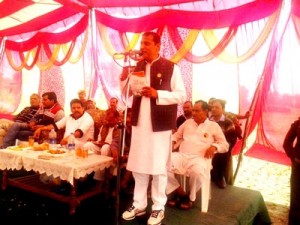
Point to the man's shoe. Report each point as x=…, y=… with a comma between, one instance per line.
x=173, y=201
x=156, y=217
x=221, y=183
x=186, y=205
x=132, y=212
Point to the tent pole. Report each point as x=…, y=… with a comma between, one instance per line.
x=121, y=128
x=240, y=157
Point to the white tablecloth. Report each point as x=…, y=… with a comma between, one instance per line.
x=66, y=166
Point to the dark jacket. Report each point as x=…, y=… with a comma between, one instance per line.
x=293, y=149
x=163, y=117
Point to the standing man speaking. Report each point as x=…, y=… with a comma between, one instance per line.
x=154, y=113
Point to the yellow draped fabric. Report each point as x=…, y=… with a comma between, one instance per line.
x=212, y=40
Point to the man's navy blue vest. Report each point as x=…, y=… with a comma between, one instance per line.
x=163, y=117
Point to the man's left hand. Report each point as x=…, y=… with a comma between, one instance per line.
x=149, y=92
x=210, y=152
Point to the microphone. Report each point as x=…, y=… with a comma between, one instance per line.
x=130, y=53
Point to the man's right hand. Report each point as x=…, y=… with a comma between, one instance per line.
x=31, y=125
x=37, y=133
x=125, y=72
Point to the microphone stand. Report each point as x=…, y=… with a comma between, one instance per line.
x=122, y=134
x=121, y=128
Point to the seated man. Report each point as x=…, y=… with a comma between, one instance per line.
x=50, y=112
x=107, y=132
x=82, y=97
x=80, y=123
x=222, y=163
x=187, y=108
x=21, y=120
x=126, y=175
x=97, y=114
x=200, y=138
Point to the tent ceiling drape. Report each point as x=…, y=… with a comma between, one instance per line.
x=19, y=17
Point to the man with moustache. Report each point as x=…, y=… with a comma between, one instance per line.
x=154, y=112
x=80, y=123
x=50, y=112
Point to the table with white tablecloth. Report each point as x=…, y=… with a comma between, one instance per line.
x=66, y=167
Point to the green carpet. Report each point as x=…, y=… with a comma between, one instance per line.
x=230, y=206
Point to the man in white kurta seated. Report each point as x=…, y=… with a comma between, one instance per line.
x=199, y=138
x=80, y=123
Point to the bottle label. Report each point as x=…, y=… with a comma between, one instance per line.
x=52, y=141
x=71, y=146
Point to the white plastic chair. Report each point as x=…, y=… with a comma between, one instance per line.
x=205, y=189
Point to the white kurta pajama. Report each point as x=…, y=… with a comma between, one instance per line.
x=194, y=140
x=150, y=151
x=85, y=123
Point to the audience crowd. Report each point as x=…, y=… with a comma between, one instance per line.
x=203, y=131
x=98, y=132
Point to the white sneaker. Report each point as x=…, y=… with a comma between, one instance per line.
x=156, y=217
x=132, y=212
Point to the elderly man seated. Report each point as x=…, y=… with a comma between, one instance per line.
x=199, y=138
x=21, y=119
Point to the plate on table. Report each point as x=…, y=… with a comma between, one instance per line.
x=15, y=148
x=56, y=151
x=52, y=154
x=40, y=147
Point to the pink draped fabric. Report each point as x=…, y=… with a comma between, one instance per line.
x=52, y=80
x=10, y=86
x=246, y=13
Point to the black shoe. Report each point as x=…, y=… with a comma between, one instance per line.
x=172, y=202
x=221, y=183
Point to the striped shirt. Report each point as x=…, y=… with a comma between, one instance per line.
x=26, y=114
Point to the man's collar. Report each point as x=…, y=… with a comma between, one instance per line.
x=74, y=117
x=153, y=60
x=222, y=118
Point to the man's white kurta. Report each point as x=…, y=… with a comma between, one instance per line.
x=150, y=151
x=84, y=123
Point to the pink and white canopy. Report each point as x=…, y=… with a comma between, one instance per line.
x=21, y=19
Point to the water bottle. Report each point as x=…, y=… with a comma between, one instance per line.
x=71, y=142
x=52, y=139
